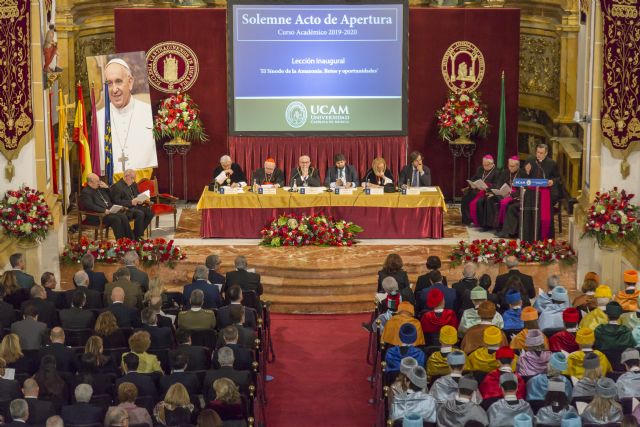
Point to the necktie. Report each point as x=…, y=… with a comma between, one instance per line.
x=339, y=173
x=414, y=180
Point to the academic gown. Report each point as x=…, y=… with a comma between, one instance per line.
x=470, y=200
x=630, y=320
x=546, y=415
x=614, y=416
x=628, y=385
x=395, y=355
x=502, y=412
x=613, y=337
x=390, y=335
x=538, y=386
x=490, y=386
x=432, y=321
x=575, y=360
x=533, y=362
x=594, y=318
x=474, y=338
x=437, y=364
x=470, y=318
x=512, y=320
x=585, y=387
x=517, y=342
x=236, y=177
x=585, y=302
x=494, y=208
x=416, y=402
x=453, y=413
x=446, y=388
x=628, y=301
x=482, y=360
x=551, y=316
x=563, y=341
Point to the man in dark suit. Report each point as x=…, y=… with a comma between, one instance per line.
x=341, y=174
x=46, y=309
x=415, y=174
x=125, y=193
x=131, y=261
x=161, y=337
x=198, y=356
x=211, y=295
x=243, y=357
x=180, y=375
x=97, y=279
x=39, y=409
x=241, y=277
x=93, y=298
x=18, y=265
x=463, y=288
x=144, y=383
x=229, y=173
x=49, y=283
x=30, y=331
x=19, y=410
x=305, y=175
x=76, y=317
x=268, y=175
x=65, y=356
x=95, y=197
x=501, y=281
x=223, y=315
x=127, y=317
x=213, y=264
x=132, y=290
x=9, y=389
x=7, y=313
x=246, y=336
x=435, y=279
x=226, y=361
x=82, y=412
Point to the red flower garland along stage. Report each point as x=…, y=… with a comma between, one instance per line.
x=495, y=251
x=612, y=218
x=24, y=215
x=307, y=230
x=179, y=117
x=463, y=115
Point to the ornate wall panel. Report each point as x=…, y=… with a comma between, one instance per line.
x=540, y=66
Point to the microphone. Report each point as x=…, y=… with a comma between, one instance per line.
x=367, y=176
x=292, y=180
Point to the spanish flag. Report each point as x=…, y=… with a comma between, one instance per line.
x=81, y=137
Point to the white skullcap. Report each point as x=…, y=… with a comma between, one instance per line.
x=118, y=61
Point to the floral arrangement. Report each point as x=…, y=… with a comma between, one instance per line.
x=179, y=118
x=463, y=115
x=151, y=252
x=25, y=215
x=495, y=251
x=307, y=230
x=612, y=218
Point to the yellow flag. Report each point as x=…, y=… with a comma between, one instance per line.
x=80, y=137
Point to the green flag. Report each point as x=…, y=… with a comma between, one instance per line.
x=502, y=133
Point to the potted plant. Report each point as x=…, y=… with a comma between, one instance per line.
x=178, y=118
x=462, y=117
x=25, y=216
x=612, y=219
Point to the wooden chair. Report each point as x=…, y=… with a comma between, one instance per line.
x=100, y=230
x=163, y=203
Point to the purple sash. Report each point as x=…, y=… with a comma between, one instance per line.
x=504, y=203
x=473, y=208
x=545, y=213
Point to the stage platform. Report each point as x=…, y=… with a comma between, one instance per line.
x=322, y=279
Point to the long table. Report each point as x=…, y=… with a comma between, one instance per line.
x=385, y=216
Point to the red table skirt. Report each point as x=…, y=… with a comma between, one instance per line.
x=377, y=222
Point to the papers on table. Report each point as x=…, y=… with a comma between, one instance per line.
x=477, y=184
x=143, y=197
x=115, y=209
x=231, y=190
x=222, y=177
x=344, y=191
x=374, y=191
x=311, y=190
x=428, y=189
x=267, y=189
x=504, y=191
x=411, y=191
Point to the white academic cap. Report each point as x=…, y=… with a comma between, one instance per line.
x=118, y=61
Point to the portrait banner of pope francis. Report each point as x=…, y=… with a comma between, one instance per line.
x=131, y=117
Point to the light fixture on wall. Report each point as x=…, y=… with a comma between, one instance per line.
x=579, y=118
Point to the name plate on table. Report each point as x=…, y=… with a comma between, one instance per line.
x=344, y=191
x=374, y=191
x=230, y=190
x=411, y=191
x=267, y=190
x=526, y=182
x=311, y=190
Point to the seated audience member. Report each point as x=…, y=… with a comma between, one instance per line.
x=603, y=408
x=126, y=317
x=30, y=331
x=154, y=303
x=379, y=175
x=9, y=388
x=13, y=293
x=433, y=264
x=54, y=421
x=490, y=385
x=415, y=174
x=144, y=383
x=434, y=281
x=226, y=360
x=161, y=336
x=393, y=267
x=503, y=412
x=228, y=404
x=597, y=316
x=530, y=319
x=97, y=279
x=107, y=328
x=116, y=417
x=387, y=307
x=628, y=384
x=628, y=298
x=534, y=358
x=437, y=364
x=543, y=299
x=93, y=297
x=18, y=265
x=82, y=412
x=446, y=387
x=88, y=373
x=631, y=319
x=551, y=317
x=612, y=335
x=585, y=339
x=512, y=265
x=304, y=175
x=52, y=386
x=341, y=174
x=243, y=357
x=512, y=317
x=180, y=375
x=471, y=317
x=394, y=355
x=586, y=386
x=473, y=338
x=127, y=395
x=587, y=301
x=102, y=363
x=132, y=290
x=39, y=409
x=413, y=399
x=198, y=356
x=437, y=316
x=537, y=386
x=484, y=358
x=565, y=340
x=471, y=205
x=514, y=283
x=209, y=418
x=11, y=352
x=76, y=317
x=19, y=411
x=391, y=291
x=46, y=309
x=269, y=175
x=214, y=263
x=229, y=173
x=464, y=287
x=556, y=404
x=234, y=294
x=65, y=356
x=200, y=282
x=458, y=411
x=139, y=343
x=7, y=313
x=404, y=315
x=196, y=317
x=131, y=260
x=49, y=283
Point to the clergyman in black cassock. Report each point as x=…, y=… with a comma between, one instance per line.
x=123, y=193
x=469, y=203
x=269, y=174
x=492, y=209
x=235, y=175
x=95, y=197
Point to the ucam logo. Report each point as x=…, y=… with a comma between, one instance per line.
x=329, y=109
x=296, y=114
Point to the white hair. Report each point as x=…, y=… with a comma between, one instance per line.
x=469, y=270
x=81, y=278
x=201, y=273
x=225, y=158
x=83, y=393
x=130, y=258
x=225, y=356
